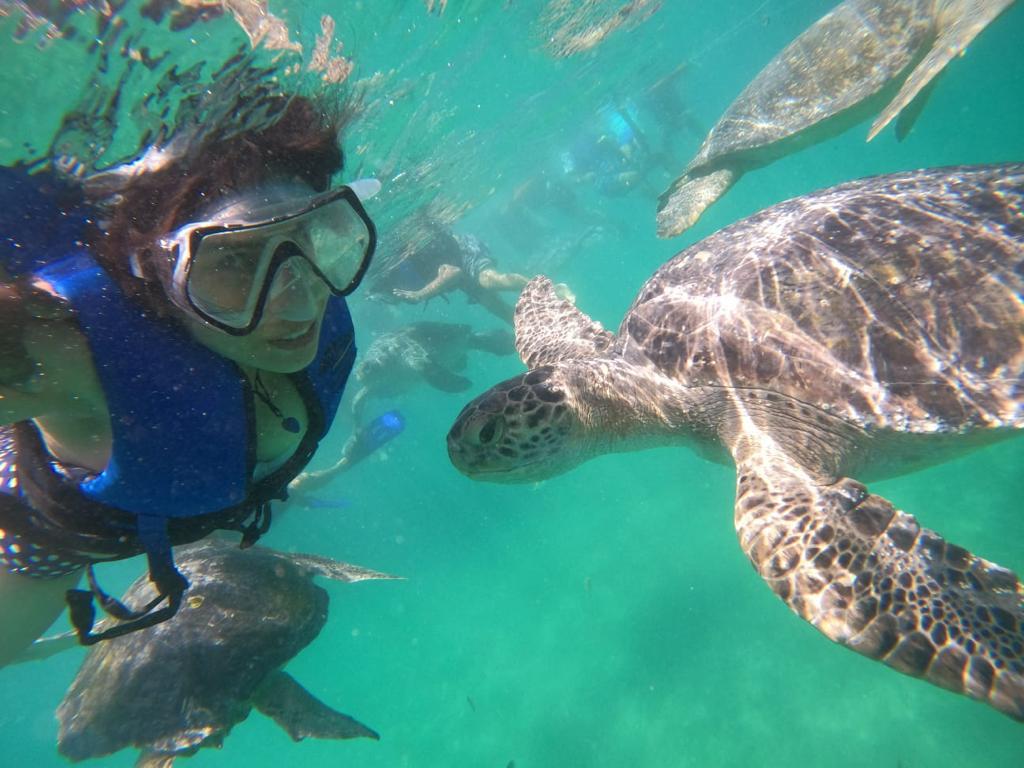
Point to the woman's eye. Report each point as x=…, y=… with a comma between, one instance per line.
x=232, y=261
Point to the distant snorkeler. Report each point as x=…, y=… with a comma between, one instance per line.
x=176, y=334
x=368, y=439
x=425, y=352
x=444, y=262
x=364, y=442
x=611, y=154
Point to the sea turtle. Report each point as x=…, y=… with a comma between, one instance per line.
x=181, y=685
x=428, y=351
x=859, y=332
x=842, y=59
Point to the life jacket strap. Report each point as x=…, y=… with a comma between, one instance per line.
x=170, y=584
x=170, y=587
x=259, y=525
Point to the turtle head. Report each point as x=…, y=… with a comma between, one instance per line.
x=522, y=430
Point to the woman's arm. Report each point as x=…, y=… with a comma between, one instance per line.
x=36, y=327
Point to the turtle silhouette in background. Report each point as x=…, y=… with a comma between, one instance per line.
x=430, y=352
x=182, y=685
x=852, y=334
x=847, y=56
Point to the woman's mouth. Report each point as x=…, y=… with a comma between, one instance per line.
x=296, y=339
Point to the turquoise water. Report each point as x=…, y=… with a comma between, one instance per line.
x=605, y=618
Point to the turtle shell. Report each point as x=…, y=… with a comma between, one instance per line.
x=185, y=683
x=878, y=301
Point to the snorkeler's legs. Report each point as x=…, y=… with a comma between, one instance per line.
x=28, y=606
x=488, y=298
x=492, y=302
x=492, y=280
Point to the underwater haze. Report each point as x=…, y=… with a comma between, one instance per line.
x=606, y=618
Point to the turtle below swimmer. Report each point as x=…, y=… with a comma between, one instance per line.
x=856, y=333
x=181, y=685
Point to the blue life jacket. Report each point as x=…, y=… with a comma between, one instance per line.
x=181, y=415
x=182, y=418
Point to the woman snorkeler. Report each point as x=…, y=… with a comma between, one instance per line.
x=176, y=341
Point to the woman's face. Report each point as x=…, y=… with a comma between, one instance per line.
x=286, y=338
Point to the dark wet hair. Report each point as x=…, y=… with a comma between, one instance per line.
x=302, y=145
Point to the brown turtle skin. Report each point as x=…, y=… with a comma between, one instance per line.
x=183, y=684
x=855, y=333
x=899, y=340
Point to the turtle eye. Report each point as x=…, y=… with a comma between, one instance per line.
x=491, y=430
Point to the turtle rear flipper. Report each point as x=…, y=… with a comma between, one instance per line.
x=154, y=760
x=959, y=24
x=496, y=341
x=45, y=647
x=869, y=577
x=301, y=714
x=550, y=328
x=442, y=378
x=907, y=118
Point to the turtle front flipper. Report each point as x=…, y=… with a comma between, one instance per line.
x=301, y=714
x=334, y=569
x=149, y=759
x=682, y=204
x=549, y=328
x=959, y=22
x=869, y=577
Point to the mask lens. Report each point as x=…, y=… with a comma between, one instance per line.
x=230, y=267
x=340, y=240
x=226, y=274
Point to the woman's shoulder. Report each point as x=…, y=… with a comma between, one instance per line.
x=44, y=357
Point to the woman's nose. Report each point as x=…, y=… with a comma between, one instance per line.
x=297, y=292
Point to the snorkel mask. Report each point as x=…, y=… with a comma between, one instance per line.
x=225, y=268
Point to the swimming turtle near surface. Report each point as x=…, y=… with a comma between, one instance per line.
x=430, y=352
x=176, y=687
x=863, y=331
x=847, y=56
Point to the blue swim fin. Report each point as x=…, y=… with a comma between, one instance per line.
x=373, y=436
